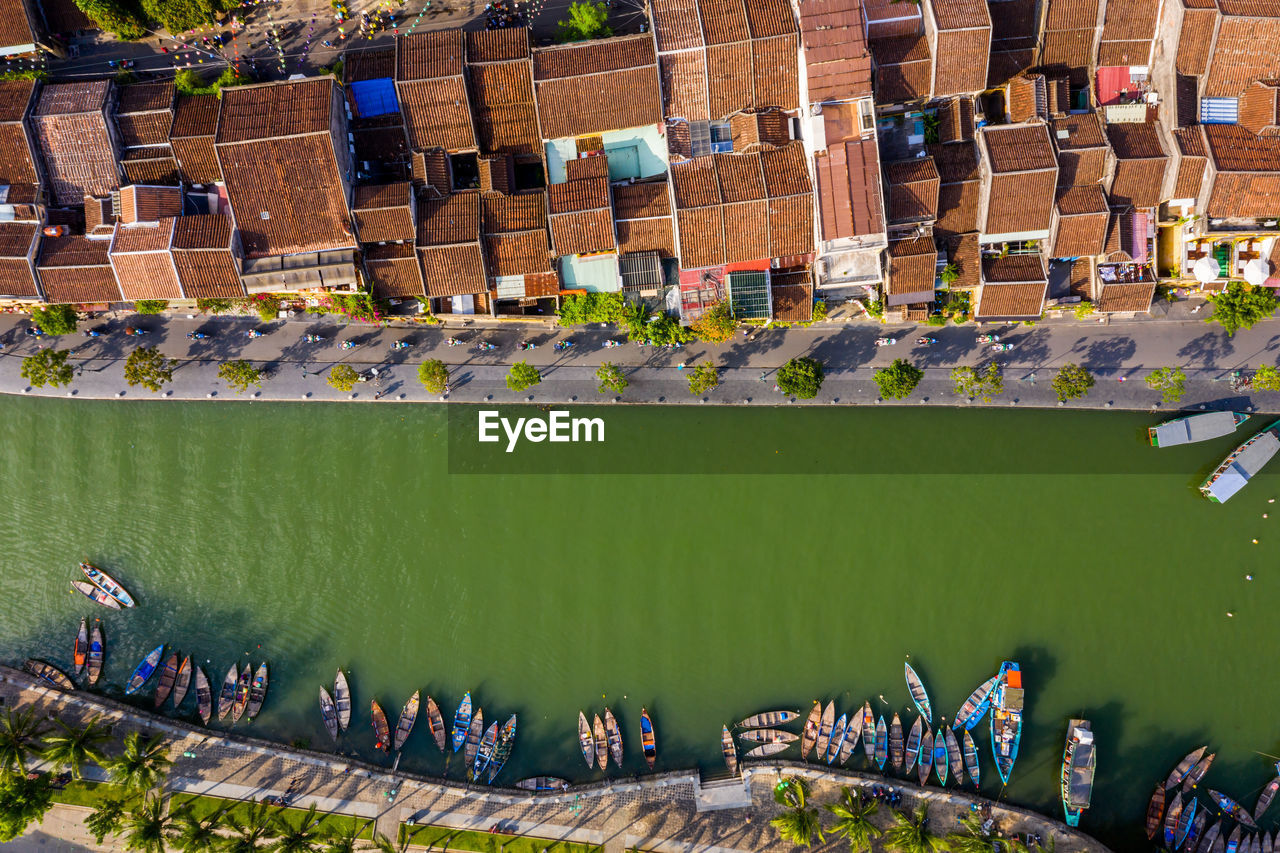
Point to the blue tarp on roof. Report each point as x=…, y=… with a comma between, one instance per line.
x=375, y=97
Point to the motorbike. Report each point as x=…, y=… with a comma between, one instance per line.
x=398, y=345
x=132, y=332
x=612, y=344
x=924, y=342
x=485, y=346
x=989, y=339
x=253, y=333
x=35, y=331
x=1001, y=347
x=312, y=339
x=197, y=336
x=886, y=342
x=528, y=345
x=563, y=345
x=93, y=333
x=453, y=342
x=348, y=345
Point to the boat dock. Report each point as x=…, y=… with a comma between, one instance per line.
x=673, y=812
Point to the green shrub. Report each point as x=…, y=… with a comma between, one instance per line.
x=586, y=20
x=434, y=375
x=716, y=324
x=819, y=311
x=150, y=306
x=705, y=377
x=801, y=376
x=579, y=308
x=937, y=320
x=55, y=319
x=215, y=306
x=523, y=376
x=898, y=380
x=267, y=305
x=115, y=17
x=343, y=377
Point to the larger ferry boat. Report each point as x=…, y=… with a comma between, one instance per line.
x=1239, y=468
x=1079, y=760
x=1006, y=718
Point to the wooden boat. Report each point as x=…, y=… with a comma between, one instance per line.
x=227, y=693
x=1197, y=773
x=648, y=743
x=1079, y=763
x=1006, y=718
x=913, y=744
x=484, y=750
x=769, y=719
x=1241, y=465
x=918, y=694
x=342, y=700
x=436, y=722
x=182, y=682
x=837, y=738
x=1232, y=809
x=973, y=709
x=329, y=713
x=144, y=670
x=96, y=595
x=1218, y=846
x=769, y=736
x=242, y=694
x=971, y=759
x=1183, y=829
x=601, y=738
x=80, y=653
x=764, y=750
x=614, y=737
x=381, y=731
x=462, y=722
x=824, y=730
x=1197, y=830
x=882, y=743
x=1269, y=843
x=924, y=764
x=895, y=743
x=868, y=733
x=1233, y=843
x=851, y=735
x=46, y=671
x=543, y=783
x=97, y=654
x=1268, y=794
x=204, y=697
x=408, y=715
x=1184, y=767
x=953, y=756
x=257, y=691
x=1210, y=836
x=168, y=675
x=729, y=750
x=107, y=584
x=1171, y=821
x=586, y=742
x=810, y=735
x=940, y=765
x=475, y=731
x=506, y=742
x=1155, y=811
x=1194, y=428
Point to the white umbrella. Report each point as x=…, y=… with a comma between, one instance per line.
x=1257, y=271
x=1205, y=269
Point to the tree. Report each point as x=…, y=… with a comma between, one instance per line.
x=20, y=736
x=716, y=324
x=343, y=838
x=977, y=382
x=150, y=306
x=853, y=820
x=214, y=306
x=910, y=833
x=1240, y=306
x=434, y=375
x=114, y=17
x=899, y=379
x=801, y=377
x=240, y=374
x=799, y=824
x=949, y=273
x=611, y=378
x=140, y=766
x=55, y=319
x=75, y=746
x=22, y=801
x=148, y=368
x=147, y=828
x=705, y=377
x=523, y=376
x=298, y=836
x=248, y=835
x=1267, y=378
x=657, y=329
x=587, y=20
x=48, y=367
x=1169, y=381
x=343, y=377
x=973, y=839
x=1071, y=381
x=194, y=834
x=107, y=818
x=178, y=16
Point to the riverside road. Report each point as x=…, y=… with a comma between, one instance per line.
x=1120, y=354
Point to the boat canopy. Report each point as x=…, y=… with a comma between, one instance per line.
x=1195, y=428
x=1083, y=762
x=1250, y=461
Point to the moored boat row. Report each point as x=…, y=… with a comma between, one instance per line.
x=1183, y=824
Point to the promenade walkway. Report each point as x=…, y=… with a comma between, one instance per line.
x=664, y=812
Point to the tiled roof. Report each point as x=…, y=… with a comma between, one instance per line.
x=72, y=98
x=498, y=45
x=1013, y=269
x=1007, y=64
x=197, y=160
x=387, y=144
x=1015, y=27
x=695, y=183
x=143, y=266
x=643, y=218
x=149, y=204
x=767, y=18
x=579, y=195
x=505, y=116
x=702, y=241
x=143, y=237
x=1028, y=98
x=1129, y=21
x=886, y=19
x=676, y=25
x=770, y=127
x=913, y=190
x=429, y=55
x=1083, y=151
x=1014, y=148
x=955, y=120
x=1135, y=141
x=1082, y=222
x=1245, y=195
x=1191, y=163
x=785, y=172
x=15, y=28
x=1140, y=165
x=775, y=81
x=79, y=156
x=16, y=238
x=582, y=233
x=437, y=113
x=64, y=16
x=1195, y=40
x=517, y=254
x=1235, y=149
x=17, y=167
x=15, y=99
x=641, y=200
x=912, y=271
x=448, y=220
x=684, y=85
x=453, y=270
x=1010, y=301
x=1080, y=280
x=1243, y=52
x=1070, y=50
x=960, y=14
x=729, y=78
x=76, y=269
x=1077, y=201
x=964, y=251
x=393, y=271
x=508, y=214
x=98, y=213
x=904, y=68
x=208, y=274
x=837, y=61
x=151, y=165
x=961, y=58
x=202, y=231
x=849, y=189
x=741, y=178
x=792, y=303
x=1258, y=106
x=790, y=226
x=1020, y=202
x=957, y=208
x=195, y=115
x=383, y=212
x=955, y=162
x=1126, y=297
x=271, y=110
x=593, y=87
x=724, y=21
x=144, y=128
x=1071, y=15
x=361, y=65
x=145, y=97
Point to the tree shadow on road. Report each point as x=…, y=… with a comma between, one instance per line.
x=1208, y=350
x=1105, y=355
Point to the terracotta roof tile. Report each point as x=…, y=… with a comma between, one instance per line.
x=1071, y=15
x=695, y=183
x=15, y=27
x=361, y=65
x=1020, y=202
x=17, y=281
x=1082, y=233
x=506, y=119
x=1135, y=141
x=1076, y=201
x=837, y=61
x=1194, y=40
x=505, y=214
x=1244, y=51
x=582, y=233
x=792, y=303
x=453, y=270
x=437, y=113
x=1013, y=268
x=849, y=190
x=701, y=237
x=73, y=98
x=790, y=226
x=142, y=237
x=1258, y=106
x=153, y=165
x=729, y=78
x=383, y=212
x=962, y=57
x=1071, y=50
x=785, y=172
x=964, y=251
x=904, y=69
x=197, y=160
x=452, y=219
x=17, y=167
x=913, y=190
x=955, y=120
x=1015, y=26
x=775, y=74
x=393, y=271
x=724, y=21
x=955, y=162
x=17, y=238
x=146, y=97
x=517, y=254
x=912, y=271
x=593, y=57
x=957, y=208
x=646, y=235
x=1140, y=165
x=1130, y=20
x=684, y=85
x=16, y=98
x=1006, y=64
x=960, y=14
x=203, y=231
x=676, y=25
x=76, y=269
x=741, y=177
x=593, y=87
x=497, y=174
x=1191, y=163
x=641, y=200
x=1017, y=149
x=272, y=110
x=643, y=218
x=1010, y=301
x=429, y=55
x=1126, y=297
x=149, y=203
x=195, y=115
x=142, y=266
x=582, y=194
x=746, y=228
x=144, y=128
x=771, y=127
x=79, y=155
x=767, y=18
x=498, y=45
x=1080, y=279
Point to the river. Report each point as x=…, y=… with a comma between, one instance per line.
x=383, y=539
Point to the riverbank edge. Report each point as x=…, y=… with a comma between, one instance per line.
x=604, y=788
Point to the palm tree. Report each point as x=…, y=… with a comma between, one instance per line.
x=910, y=833
x=195, y=834
x=107, y=818
x=854, y=820
x=148, y=827
x=249, y=835
x=974, y=839
x=74, y=746
x=798, y=824
x=344, y=838
x=20, y=735
x=141, y=766
x=299, y=837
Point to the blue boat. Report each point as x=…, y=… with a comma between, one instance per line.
x=940, y=756
x=1184, y=823
x=882, y=743
x=461, y=722
x=1006, y=718
x=144, y=670
x=975, y=707
x=837, y=738
x=1171, y=819
x=918, y=694
x=1232, y=809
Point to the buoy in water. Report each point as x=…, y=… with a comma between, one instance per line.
x=1248, y=577
x=1230, y=614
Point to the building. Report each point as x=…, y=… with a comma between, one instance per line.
x=144, y=116
x=77, y=140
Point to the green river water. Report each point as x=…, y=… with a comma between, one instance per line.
x=322, y=536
